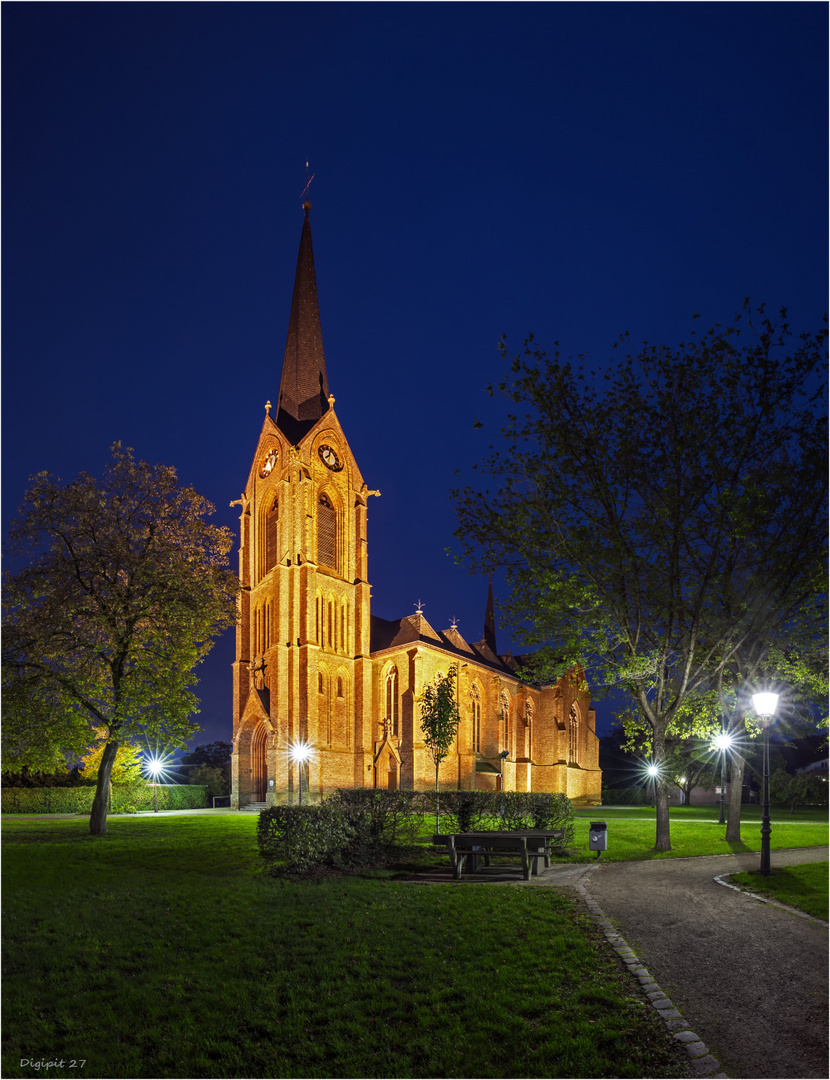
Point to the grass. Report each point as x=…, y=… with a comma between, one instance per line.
x=804, y=887
x=694, y=831
x=163, y=950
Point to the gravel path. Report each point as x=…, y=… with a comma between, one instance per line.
x=751, y=979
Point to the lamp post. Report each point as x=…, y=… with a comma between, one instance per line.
x=723, y=742
x=300, y=752
x=653, y=770
x=155, y=769
x=502, y=756
x=764, y=705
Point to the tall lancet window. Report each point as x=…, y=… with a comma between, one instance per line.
x=573, y=735
x=392, y=715
x=504, y=721
x=475, y=715
x=271, y=520
x=326, y=532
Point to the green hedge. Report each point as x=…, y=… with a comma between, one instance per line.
x=381, y=819
x=638, y=795
x=368, y=826
x=296, y=839
x=126, y=799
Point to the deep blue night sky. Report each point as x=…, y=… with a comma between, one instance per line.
x=574, y=170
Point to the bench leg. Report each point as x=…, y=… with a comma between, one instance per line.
x=458, y=868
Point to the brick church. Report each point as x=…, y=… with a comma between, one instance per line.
x=314, y=667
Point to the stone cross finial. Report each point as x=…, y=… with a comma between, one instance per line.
x=267, y=408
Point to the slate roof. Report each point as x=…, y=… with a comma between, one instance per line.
x=414, y=629
x=304, y=388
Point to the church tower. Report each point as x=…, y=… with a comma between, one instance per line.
x=302, y=673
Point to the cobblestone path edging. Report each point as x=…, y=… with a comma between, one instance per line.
x=721, y=880
x=700, y=1059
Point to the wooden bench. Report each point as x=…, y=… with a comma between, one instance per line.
x=530, y=846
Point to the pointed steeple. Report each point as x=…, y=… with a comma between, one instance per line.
x=304, y=388
x=490, y=620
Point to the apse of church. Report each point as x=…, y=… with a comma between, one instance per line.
x=315, y=669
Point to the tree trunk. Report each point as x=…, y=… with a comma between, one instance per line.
x=663, y=842
x=437, y=822
x=98, y=817
x=733, y=824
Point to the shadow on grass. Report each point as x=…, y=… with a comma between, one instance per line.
x=738, y=847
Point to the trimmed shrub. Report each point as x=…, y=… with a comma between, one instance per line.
x=126, y=799
x=466, y=811
x=381, y=819
x=538, y=810
x=49, y=800
x=637, y=795
x=301, y=838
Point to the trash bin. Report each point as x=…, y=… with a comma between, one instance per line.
x=598, y=837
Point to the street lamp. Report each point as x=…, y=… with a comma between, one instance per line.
x=502, y=756
x=765, y=705
x=653, y=771
x=155, y=766
x=300, y=752
x=723, y=742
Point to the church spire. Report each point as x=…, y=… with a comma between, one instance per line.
x=304, y=388
x=490, y=620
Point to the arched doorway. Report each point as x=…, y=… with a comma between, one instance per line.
x=259, y=764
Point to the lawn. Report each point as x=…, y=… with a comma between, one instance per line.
x=163, y=950
x=695, y=831
x=804, y=887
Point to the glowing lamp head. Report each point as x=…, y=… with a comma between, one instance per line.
x=653, y=770
x=765, y=705
x=300, y=752
x=155, y=766
x=723, y=742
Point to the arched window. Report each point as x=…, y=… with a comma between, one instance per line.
x=504, y=721
x=339, y=686
x=326, y=532
x=271, y=519
x=528, y=728
x=573, y=735
x=392, y=714
x=475, y=715
x=321, y=683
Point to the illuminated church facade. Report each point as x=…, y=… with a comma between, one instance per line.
x=315, y=668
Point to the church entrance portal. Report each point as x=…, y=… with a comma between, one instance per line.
x=259, y=767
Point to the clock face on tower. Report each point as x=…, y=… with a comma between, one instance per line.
x=269, y=461
x=330, y=459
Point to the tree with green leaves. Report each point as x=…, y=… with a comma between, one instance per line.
x=122, y=590
x=439, y=721
x=662, y=521
x=215, y=755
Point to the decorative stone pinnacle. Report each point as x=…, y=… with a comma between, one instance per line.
x=267, y=408
x=331, y=401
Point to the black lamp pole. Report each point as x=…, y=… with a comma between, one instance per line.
x=765, y=705
x=722, y=820
x=766, y=827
